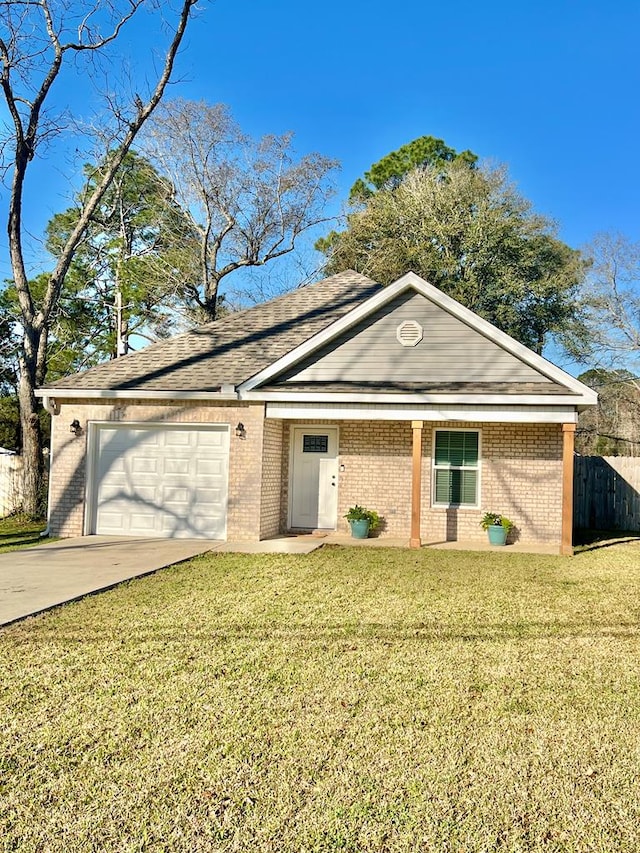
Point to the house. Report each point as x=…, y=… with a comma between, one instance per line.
x=282, y=416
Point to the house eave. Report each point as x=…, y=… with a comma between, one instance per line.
x=574, y=400
x=226, y=392
x=280, y=410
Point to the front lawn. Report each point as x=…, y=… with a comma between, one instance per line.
x=349, y=700
x=17, y=531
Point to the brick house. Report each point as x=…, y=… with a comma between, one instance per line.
x=282, y=416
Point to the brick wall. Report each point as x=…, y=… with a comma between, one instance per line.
x=69, y=460
x=272, y=473
x=521, y=471
x=521, y=476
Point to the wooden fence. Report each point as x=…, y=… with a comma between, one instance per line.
x=606, y=493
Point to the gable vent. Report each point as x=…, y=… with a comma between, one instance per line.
x=409, y=333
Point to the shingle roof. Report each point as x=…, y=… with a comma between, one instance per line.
x=232, y=349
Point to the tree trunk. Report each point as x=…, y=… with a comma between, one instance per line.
x=211, y=300
x=31, y=440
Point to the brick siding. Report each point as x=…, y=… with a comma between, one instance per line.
x=272, y=474
x=521, y=476
x=521, y=471
x=69, y=460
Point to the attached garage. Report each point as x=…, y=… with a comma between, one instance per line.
x=159, y=480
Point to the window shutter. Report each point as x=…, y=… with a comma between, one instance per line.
x=456, y=448
x=456, y=467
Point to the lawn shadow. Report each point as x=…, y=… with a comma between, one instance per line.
x=593, y=540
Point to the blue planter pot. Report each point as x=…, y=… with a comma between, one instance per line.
x=497, y=534
x=360, y=528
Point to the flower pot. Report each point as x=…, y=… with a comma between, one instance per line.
x=360, y=528
x=497, y=534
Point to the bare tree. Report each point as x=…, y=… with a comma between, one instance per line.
x=41, y=38
x=250, y=199
x=611, y=303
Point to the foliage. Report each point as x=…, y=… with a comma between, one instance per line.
x=249, y=199
x=360, y=513
x=470, y=233
x=496, y=519
x=139, y=251
x=390, y=171
x=40, y=43
x=613, y=427
x=349, y=700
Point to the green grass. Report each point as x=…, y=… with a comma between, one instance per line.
x=349, y=700
x=16, y=531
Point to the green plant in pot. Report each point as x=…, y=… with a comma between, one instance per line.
x=497, y=526
x=362, y=521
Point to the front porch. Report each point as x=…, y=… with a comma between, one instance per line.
x=523, y=470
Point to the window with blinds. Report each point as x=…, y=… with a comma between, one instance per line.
x=456, y=468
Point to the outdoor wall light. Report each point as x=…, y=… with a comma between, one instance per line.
x=75, y=427
x=241, y=431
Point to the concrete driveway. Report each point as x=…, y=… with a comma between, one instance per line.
x=35, y=579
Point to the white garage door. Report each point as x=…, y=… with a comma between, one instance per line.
x=165, y=481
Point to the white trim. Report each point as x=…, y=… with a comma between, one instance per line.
x=419, y=399
x=90, y=475
x=471, y=414
x=412, y=281
x=309, y=428
x=478, y=469
x=54, y=394
x=93, y=443
x=50, y=404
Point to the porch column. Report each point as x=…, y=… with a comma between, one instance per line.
x=568, y=435
x=416, y=484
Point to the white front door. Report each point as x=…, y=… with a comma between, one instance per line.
x=314, y=481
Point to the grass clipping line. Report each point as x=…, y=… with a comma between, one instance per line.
x=352, y=700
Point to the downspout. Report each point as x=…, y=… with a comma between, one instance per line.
x=53, y=407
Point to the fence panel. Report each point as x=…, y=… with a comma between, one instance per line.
x=10, y=484
x=606, y=493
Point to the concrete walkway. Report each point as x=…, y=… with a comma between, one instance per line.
x=35, y=579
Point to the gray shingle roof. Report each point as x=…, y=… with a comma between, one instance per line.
x=232, y=349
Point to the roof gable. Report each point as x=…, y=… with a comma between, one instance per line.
x=448, y=350
x=458, y=348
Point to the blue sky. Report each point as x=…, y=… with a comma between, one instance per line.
x=549, y=88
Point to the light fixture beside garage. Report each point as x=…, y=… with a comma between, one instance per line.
x=75, y=427
x=241, y=431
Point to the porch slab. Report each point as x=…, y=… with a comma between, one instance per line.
x=305, y=543
x=276, y=545
x=483, y=545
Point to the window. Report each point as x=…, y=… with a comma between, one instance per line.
x=315, y=443
x=456, y=467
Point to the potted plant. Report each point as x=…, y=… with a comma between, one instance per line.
x=362, y=520
x=497, y=526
